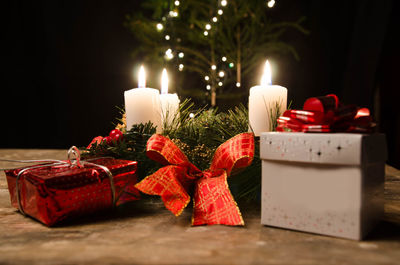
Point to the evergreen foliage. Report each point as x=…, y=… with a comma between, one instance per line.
x=198, y=137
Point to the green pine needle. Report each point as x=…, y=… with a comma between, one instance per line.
x=198, y=137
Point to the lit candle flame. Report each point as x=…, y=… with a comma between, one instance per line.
x=142, y=77
x=266, y=77
x=164, y=82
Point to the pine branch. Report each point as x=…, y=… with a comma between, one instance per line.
x=198, y=137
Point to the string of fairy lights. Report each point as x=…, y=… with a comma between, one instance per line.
x=169, y=53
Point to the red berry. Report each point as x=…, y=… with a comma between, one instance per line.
x=119, y=137
x=116, y=135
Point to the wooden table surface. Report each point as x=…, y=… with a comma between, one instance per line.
x=145, y=233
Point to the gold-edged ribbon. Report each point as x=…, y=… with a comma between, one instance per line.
x=213, y=201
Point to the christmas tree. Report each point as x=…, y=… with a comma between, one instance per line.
x=222, y=41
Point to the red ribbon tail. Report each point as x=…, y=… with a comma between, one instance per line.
x=214, y=203
x=166, y=183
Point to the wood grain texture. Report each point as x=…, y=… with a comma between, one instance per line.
x=144, y=232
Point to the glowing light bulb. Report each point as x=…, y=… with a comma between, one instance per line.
x=221, y=74
x=237, y=84
x=271, y=3
x=142, y=77
x=160, y=26
x=207, y=78
x=223, y=59
x=208, y=87
x=205, y=33
x=181, y=67
x=266, y=77
x=181, y=55
x=220, y=12
x=231, y=65
x=173, y=13
x=220, y=83
x=177, y=3
x=214, y=19
x=167, y=37
x=191, y=115
x=213, y=67
x=208, y=26
x=224, y=3
x=169, y=54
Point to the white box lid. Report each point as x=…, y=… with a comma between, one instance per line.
x=323, y=148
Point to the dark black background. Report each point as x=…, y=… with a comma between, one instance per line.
x=67, y=64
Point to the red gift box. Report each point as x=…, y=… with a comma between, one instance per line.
x=53, y=193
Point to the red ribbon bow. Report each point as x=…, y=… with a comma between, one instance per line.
x=326, y=114
x=213, y=201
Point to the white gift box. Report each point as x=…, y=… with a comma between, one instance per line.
x=324, y=183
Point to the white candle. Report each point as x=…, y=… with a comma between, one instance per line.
x=142, y=104
x=169, y=102
x=262, y=100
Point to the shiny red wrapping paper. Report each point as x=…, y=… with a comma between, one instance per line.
x=52, y=194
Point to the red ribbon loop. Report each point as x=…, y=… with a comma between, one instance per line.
x=326, y=114
x=213, y=201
